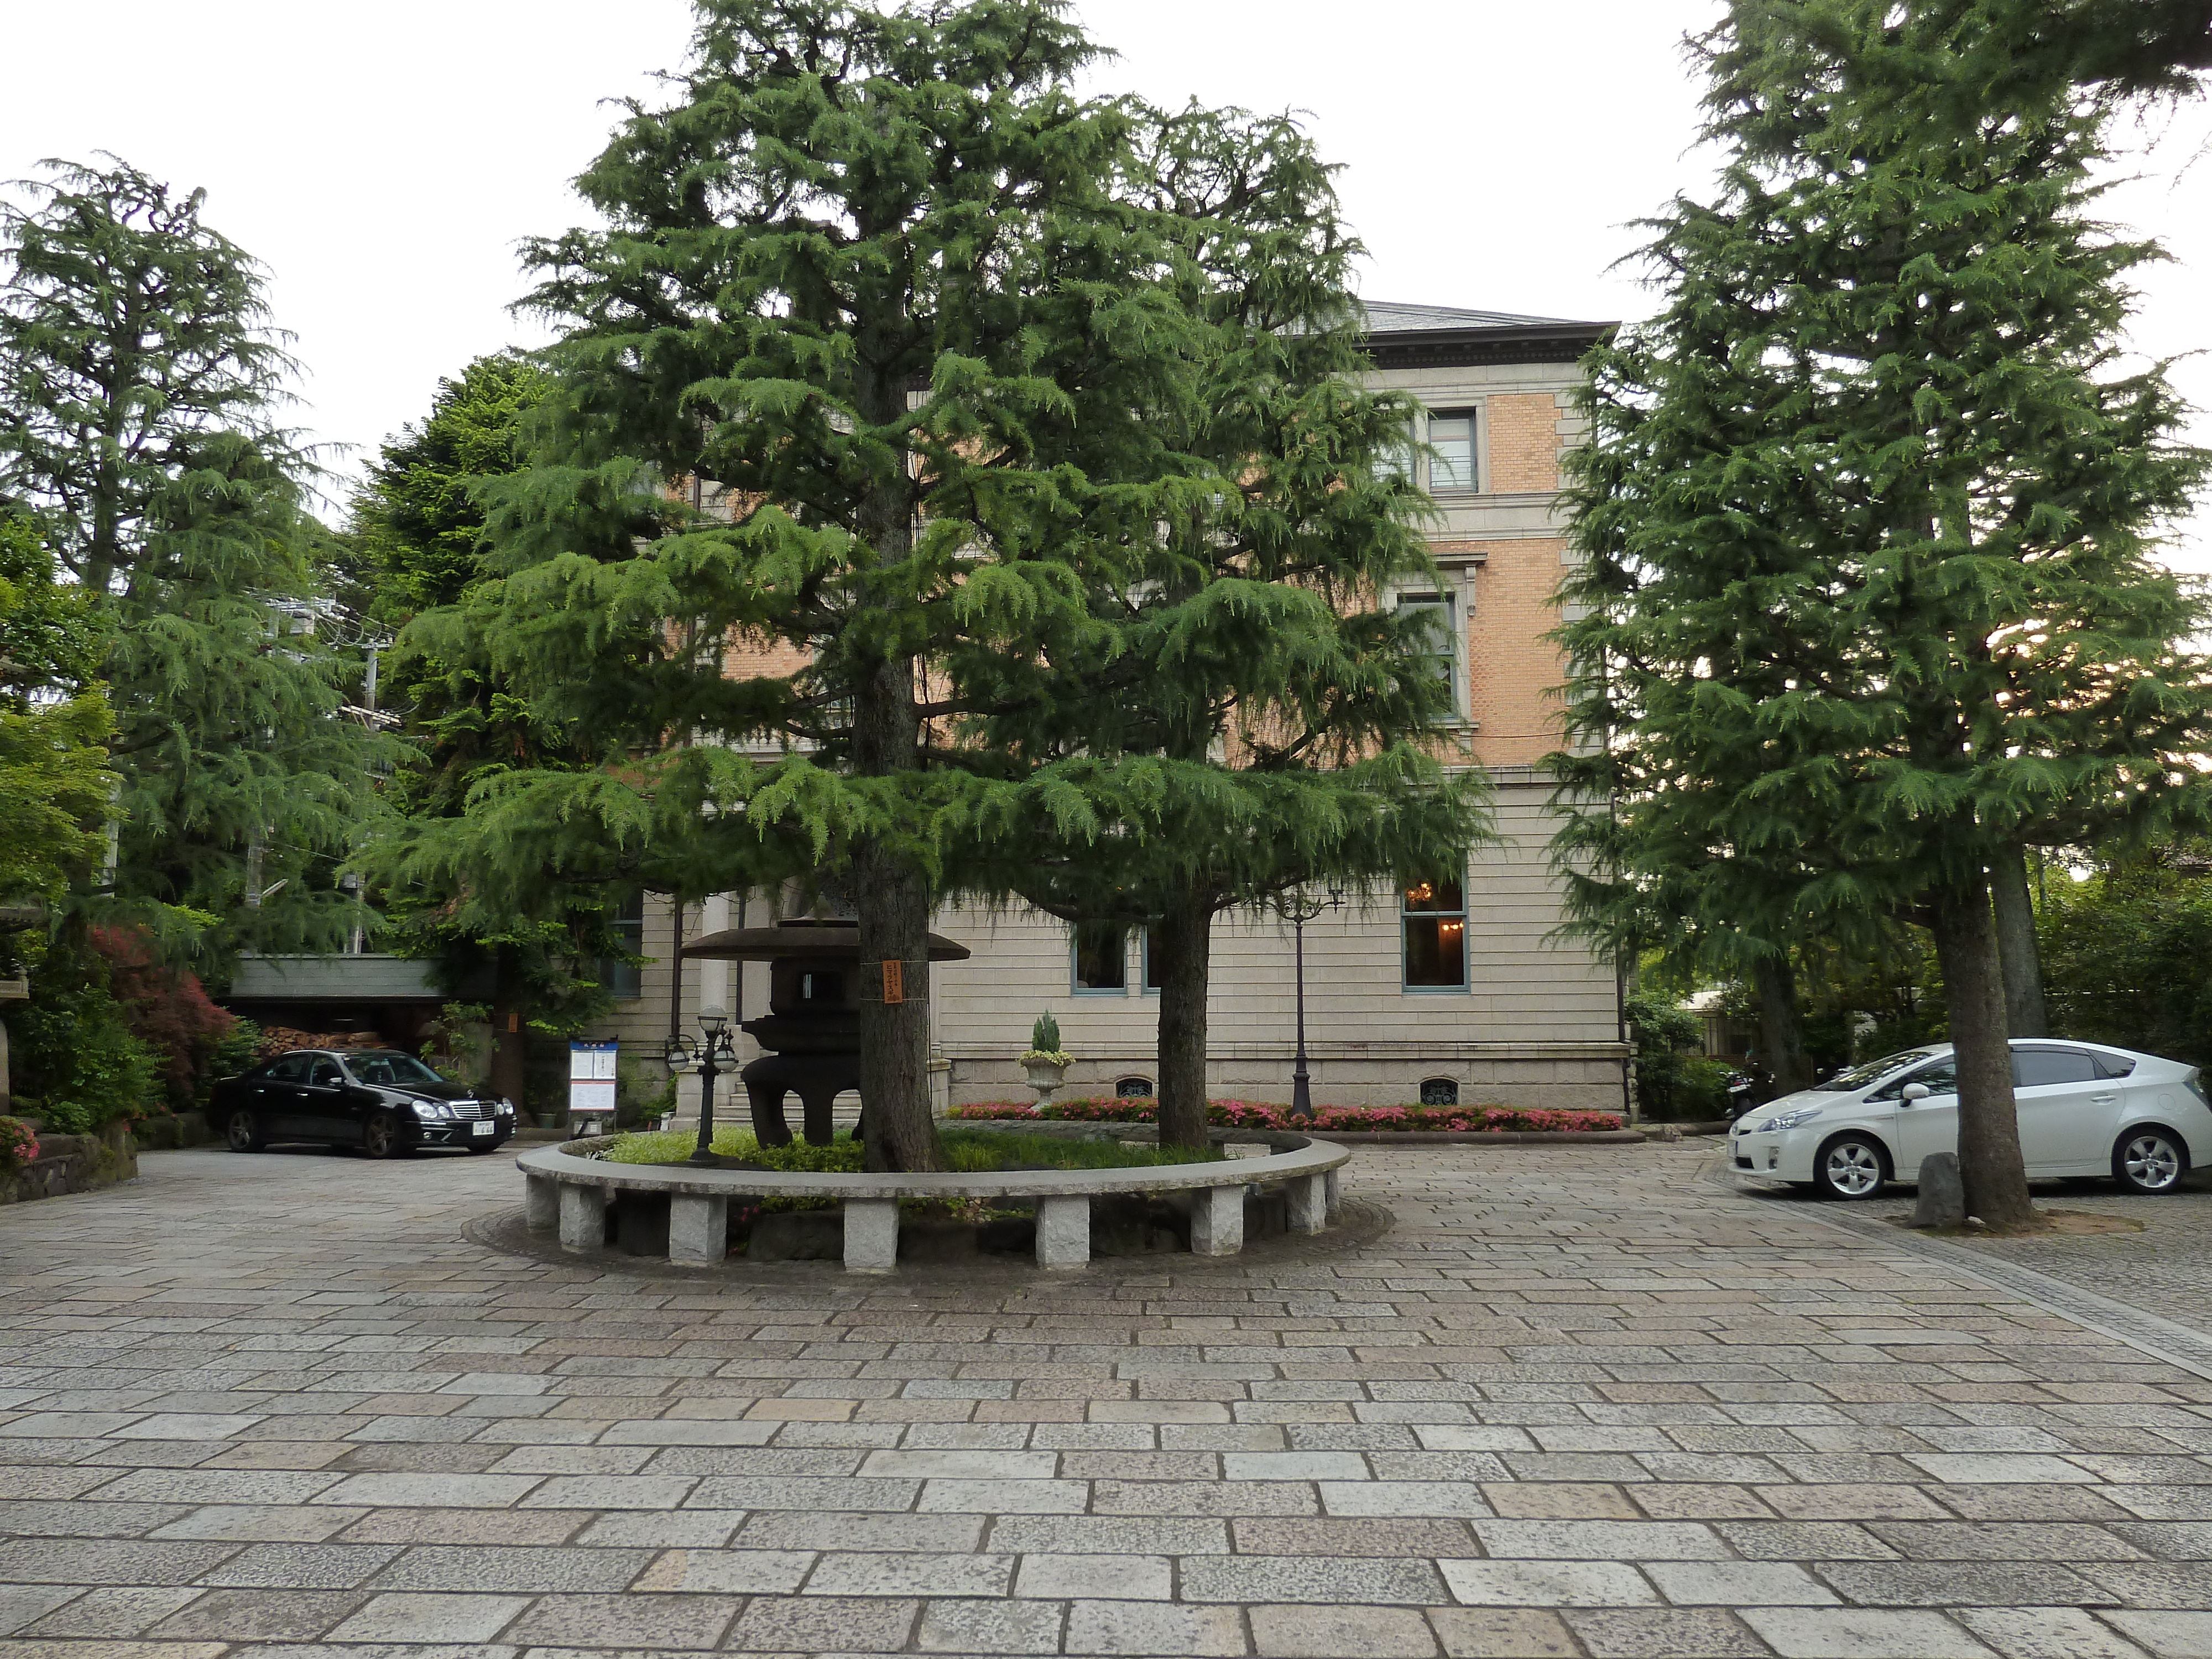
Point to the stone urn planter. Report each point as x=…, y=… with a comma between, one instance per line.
x=1045, y=1073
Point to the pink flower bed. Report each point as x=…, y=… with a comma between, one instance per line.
x=1259, y=1114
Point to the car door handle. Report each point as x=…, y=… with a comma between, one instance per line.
x=2102, y=1100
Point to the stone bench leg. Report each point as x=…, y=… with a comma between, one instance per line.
x=870, y=1235
x=1216, y=1221
x=541, y=1203
x=1335, y=1203
x=1308, y=1202
x=1063, y=1232
x=583, y=1217
x=698, y=1228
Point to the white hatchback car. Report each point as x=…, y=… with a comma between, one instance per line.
x=2085, y=1109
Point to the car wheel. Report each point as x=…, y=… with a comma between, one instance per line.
x=379, y=1136
x=2150, y=1160
x=242, y=1129
x=1852, y=1166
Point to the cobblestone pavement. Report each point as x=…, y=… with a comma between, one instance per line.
x=1576, y=1403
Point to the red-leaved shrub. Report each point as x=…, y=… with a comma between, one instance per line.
x=166, y=1008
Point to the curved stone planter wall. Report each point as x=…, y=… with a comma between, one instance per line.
x=570, y=1194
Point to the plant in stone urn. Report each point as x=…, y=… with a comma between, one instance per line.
x=1045, y=1062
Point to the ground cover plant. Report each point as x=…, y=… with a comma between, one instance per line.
x=1263, y=1114
x=971, y=1151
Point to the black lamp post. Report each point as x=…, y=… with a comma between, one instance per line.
x=1299, y=907
x=715, y=1053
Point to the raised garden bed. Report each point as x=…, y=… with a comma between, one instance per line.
x=1376, y=1123
x=1063, y=1215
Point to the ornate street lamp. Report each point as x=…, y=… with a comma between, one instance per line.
x=713, y=1054
x=1298, y=907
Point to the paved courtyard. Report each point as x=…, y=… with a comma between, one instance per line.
x=1588, y=1403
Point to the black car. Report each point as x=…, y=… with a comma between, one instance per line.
x=380, y=1100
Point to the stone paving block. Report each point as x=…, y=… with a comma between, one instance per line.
x=113, y=1611
x=1861, y=1633
x=1738, y=1584
x=1203, y=1498
x=822, y=1624
x=1348, y=1536
x=1548, y=1584
x=1096, y=1577
x=463, y=1527
x=1153, y=1628
x=740, y=1572
x=1561, y=1501
x=904, y=1573
x=1310, y=1578
x=260, y=1615
x=979, y=1627
x=960, y=1465
x=672, y=1623
x=1102, y=1535
x=219, y=1486
x=1803, y=1540
x=22, y=1604
x=1294, y=1466
x=1342, y=1632
x=610, y=1492
x=1606, y=1541
x=1961, y=1584
x=1005, y=1496
x=1999, y=1468
x=271, y=1523
x=798, y=1493
x=301, y=1566
x=417, y=1618
x=107, y=1561
x=428, y=1491
x=506, y=1567
x=2168, y=1635
x=1502, y=1633
x=1662, y=1633
x=2047, y=1633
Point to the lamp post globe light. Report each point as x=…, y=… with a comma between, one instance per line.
x=1298, y=907
x=712, y=1054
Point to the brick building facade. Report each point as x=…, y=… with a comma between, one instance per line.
x=1465, y=994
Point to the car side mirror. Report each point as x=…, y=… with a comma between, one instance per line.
x=1913, y=1091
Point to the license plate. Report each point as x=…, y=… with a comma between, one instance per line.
x=481, y=1128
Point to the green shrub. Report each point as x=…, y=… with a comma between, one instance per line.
x=73, y=1049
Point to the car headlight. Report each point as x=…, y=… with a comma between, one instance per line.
x=430, y=1109
x=1792, y=1118
x=507, y=1108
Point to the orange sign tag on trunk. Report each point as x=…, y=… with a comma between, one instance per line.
x=894, y=981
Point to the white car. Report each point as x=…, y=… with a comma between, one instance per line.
x=2085, y=1109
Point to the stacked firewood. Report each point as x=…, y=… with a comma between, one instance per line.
x=281, y=1039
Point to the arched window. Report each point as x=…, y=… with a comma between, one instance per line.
x=1134, y=1088
x=1439, y=1092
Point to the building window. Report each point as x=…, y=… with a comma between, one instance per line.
x=1100, y=957
x=1151, y=973
x=1434, y=922
x=1439, y=1092
x=1434, y=615
x=625, y=980
x=1452, y=436
x=1134, y=1088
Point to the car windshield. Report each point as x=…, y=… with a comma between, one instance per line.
x=1861, y=1077
x=401, y=1071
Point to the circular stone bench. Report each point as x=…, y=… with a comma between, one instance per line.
x=570, y=1193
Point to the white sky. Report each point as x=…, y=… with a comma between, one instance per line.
x=384, y=161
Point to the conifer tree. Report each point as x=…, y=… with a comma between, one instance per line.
x=139, y=382
x=1259, y=717
x=54, y=726
x=1867, y=597
x=419, y=537
x=863, y=288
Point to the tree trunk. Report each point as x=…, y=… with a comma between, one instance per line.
x=1989, y=1124
x=1181, y=945
x=1781, y=1032
x=890, y=900
x=510, y=1036
x=2024, y=1016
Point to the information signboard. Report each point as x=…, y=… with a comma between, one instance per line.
x=591, y=1085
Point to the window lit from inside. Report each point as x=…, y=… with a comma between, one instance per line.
x=1102, y=956
x=1452, y=465
x=1434, y=916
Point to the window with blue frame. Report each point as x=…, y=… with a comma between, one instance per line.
x=1433, y=916
x=1099, y=954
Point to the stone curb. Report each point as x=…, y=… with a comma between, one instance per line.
x=1486, y=1137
